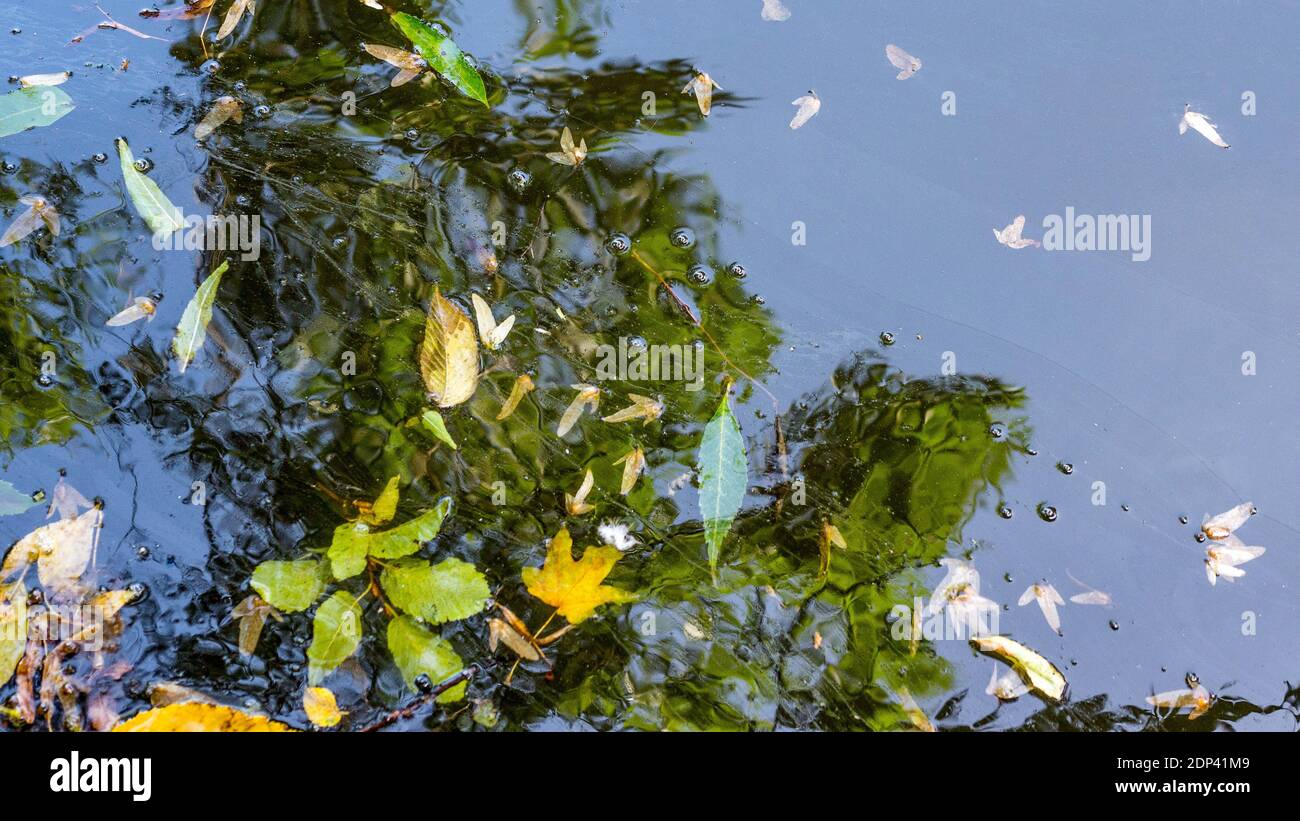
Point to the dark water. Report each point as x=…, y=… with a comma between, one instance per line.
x=1131, y=372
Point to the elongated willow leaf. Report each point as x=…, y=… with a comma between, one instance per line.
x=159, y=214
x=31, y=108
x=194, y=322
x=723, y=476
x=443, y=55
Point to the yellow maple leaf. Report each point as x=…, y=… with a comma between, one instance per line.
x=574, y=589
x=196, y=717
x=321, y=707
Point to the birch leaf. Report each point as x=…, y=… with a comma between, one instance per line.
x=353, y=542
x=522, y=387
x=574, y=588
x=588, y=397
x=13, y=628
x=384, y=508
x=321, y=707
x=417, y=651
x=449, y=355
x=289, y=586
x=198, y=717
x=633, y=463
x=193, y=328
x=12, y=500
x=32, y=108
x=336, y=632
x=150, y=202
x=450, y=590
x=225, y=108
x=724, y=474
x=434, y=423
x=1039, y=673
x=443, y=55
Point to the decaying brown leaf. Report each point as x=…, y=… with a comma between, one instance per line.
x=576, y=504
x=642, y=407
x=38, y=211
x=702, y=85
x=225, y=108
x=633, y=463
x=522, y=387
x=588, y=397
x=252, y=614
x=410, y=65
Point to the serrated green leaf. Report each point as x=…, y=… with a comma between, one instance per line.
x=724, y=473
x=433, y=421
x=159, y=214
x=417, y=651
x=443, y=55
x=335, y=634
x=353, y=542
x=13, y=500
x=193, y=328
x=13, y=628
x=289, y=586
x=32, y=107
x=447, y=591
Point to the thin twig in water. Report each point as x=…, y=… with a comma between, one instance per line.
x=424, y=698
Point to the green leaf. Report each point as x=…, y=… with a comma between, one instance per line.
x=724, y=473
x=32, y=107
x=13, y=500
x=353, y=542
x=159, y=214
x=447, y=591
x=13, y=628
x=289, y=586
x=433, y=421
x=418, y=651
x=443, y=55
x=335, y=634
x=194, y=322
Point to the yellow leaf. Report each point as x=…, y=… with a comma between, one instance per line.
x=576, y=504
x=588, y=396
x=633, y=463
x=501, y=632
x=830, y=536
x=321, y=707
x=1038, y=672
x=62, y=550
x=196, y=717
x=522, y=387
x=384, y=507
x=642, y=407
x=449, y=355
x=574, y=588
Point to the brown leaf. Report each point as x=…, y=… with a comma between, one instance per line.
x=522, y=387
x=633, y=463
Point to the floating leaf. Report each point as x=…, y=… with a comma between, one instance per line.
x=576, y=505
x=902, y=60
x=12, y=500
x=233, y=16
x=225, y=108
x=501, y=632
x=569, y=154
x=198, y=717
x=809, y=105
x=1197, y=700
x=354, y=542
x=449, y=355
x=193, y=328
x=159, y=214
x=434, y=422
x=830, y=537
x=251, y=614
x=1038, y=672
x=66, y=500
x=38, y=211
x=410, y=64
x=418, y=652
x=522, y=387
x=1048, y=599
x=335, y=634
x=443, y=55
x=13, y=628
x=702, y=85
x=489, y=331
x=57, y=78
x=633, y=463
x=141, y=307
x=723, y=476
x=642, y=407
x=448, y=591
x=322, y=707
x=1222, y=526
x=574, y=588
x=32, y=108
x=384, y=508
x=63, y=550
x=289, y=586
x=588, y=397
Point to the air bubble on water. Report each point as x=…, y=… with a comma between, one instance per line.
x=618, y=244
x=1114, y=625
x=45, y=380
x=142, y=552
x=700, y=274
x=1124, y=508
x=886, y=338
x=1046, y=512
x=144, y=165
x=99, y=157
x=519, y=180
x=242, y=200
x=1182, y=520
x=211, y=66
x=682, y=237
x=8, y=167
x=240, y=86
x=1200, y=536
x=637, y=342
x=411, y=135
x=1004, y=510
x=759, y=299
x=1065, y=467
x=737, y=270
x=997, y=430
